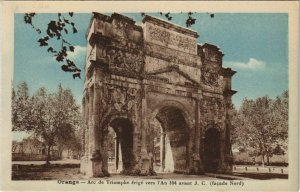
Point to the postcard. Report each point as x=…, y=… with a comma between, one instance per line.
x=149, y=96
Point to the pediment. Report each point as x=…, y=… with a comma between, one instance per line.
x=173, y=75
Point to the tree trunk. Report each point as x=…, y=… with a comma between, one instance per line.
x=262, y=160
x=268, y=159
x=262, y=153
x=60, y=154
x=48, y=155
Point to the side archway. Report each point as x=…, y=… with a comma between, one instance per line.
x=124, y=128
x=212, y=145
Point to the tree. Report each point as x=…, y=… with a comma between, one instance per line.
x=261, y=126
x=21, y=108
x=53, y=116
x=70, y=139
x=259, y=121
x=280, y=118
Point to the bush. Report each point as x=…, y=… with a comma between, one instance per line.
x=243, y=158
x=30, y=157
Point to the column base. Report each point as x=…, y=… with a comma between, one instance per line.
x=97, y=169
x=196, y=167
x=226, y=165
x=83, y=165
x=161, y=169
x=96, y=165
x=146, y=164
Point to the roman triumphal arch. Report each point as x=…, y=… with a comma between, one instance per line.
x=154, y=72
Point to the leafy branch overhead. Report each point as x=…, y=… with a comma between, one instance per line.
x=58, y=30
x=191, y=19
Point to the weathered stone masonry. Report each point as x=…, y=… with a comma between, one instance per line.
x=135, y=73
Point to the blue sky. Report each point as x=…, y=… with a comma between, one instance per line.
x=255, y=45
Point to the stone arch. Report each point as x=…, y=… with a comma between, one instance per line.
x=124, y=129
x=212, y=149
x=176, y=123
x=172, y=103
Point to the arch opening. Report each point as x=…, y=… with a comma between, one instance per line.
x=120, y=145
x=211, y=150
x=171, y=140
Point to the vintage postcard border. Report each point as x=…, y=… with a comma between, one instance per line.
x=137, y=6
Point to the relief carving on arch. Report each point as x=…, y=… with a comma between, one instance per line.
x=120, y=99
x=210, y=75
x=117, y=99
x=118, y=29
x=129, y=61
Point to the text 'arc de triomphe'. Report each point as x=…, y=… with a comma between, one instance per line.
x=155, y=70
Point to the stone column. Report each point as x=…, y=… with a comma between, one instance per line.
x=120, y=163
x=162, y=151
x=197, y=163
x=144, y=126
x=103, y=143
x=94, y=132
x=228, y=151
x=145, y=161
x=136, y=121
x=117, y=143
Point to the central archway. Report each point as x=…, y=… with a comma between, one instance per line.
x=174, y=133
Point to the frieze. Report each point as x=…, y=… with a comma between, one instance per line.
x=117, y=58
x=171, y=55
x=176, y=92
x=121, y=98
x=166, y=37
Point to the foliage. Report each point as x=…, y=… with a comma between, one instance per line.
x=190, y=20
x=21, y=108
x=261, y=126
x=57, y=29
x=53, y=117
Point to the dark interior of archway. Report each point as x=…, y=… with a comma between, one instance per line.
x=211, y=150
x=174, y=124
x=124, y=130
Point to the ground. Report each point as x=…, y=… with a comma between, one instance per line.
x=69, y=169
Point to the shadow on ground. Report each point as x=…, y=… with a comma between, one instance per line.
x=72, y=171
x=262, y=176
